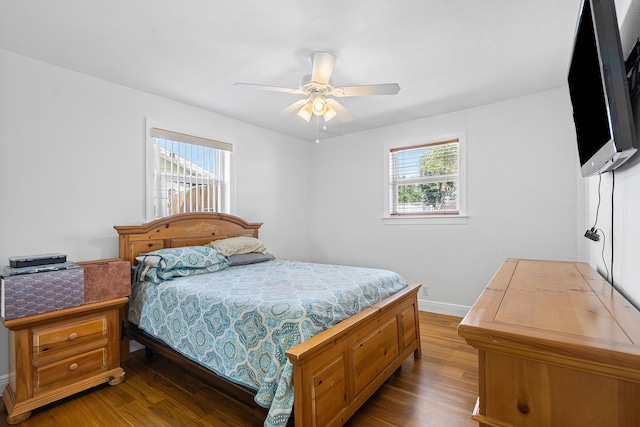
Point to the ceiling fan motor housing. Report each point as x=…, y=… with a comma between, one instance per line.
x=309, y=87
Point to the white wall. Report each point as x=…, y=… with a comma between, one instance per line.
x=71, y=157
x=72, y=146
x=626, y=216
x=525, y=198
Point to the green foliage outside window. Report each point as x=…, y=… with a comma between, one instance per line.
x=441, y=160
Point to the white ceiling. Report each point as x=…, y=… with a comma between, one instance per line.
x=446, y=55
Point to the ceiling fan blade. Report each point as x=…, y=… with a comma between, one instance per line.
x=291, y=108
x=343, y=114
x=323, y=64
x=269, y=88
x=364, y=90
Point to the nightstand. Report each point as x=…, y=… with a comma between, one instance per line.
x=59, y=353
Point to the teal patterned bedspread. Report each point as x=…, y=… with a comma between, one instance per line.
x=239, y=322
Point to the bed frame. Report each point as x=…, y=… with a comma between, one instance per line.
x=334, y=372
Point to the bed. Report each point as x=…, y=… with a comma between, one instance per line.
x=333, y=371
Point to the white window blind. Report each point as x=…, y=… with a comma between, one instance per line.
x=189, y=173
x=424, y=179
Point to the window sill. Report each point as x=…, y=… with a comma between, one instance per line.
x=430, y=219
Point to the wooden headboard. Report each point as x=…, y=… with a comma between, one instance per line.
x=186, y=229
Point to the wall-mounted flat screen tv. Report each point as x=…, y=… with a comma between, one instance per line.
x=599, y=91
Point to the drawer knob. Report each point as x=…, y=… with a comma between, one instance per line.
x=73, y=366
x=523, y=407
x=73, y=336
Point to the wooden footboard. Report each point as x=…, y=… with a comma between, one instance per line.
x=336, y=371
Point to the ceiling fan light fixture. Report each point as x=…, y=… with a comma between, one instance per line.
x=329, y=114
x=306, y=111
x=319, y=105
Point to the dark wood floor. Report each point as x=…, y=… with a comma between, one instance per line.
x=438, y=390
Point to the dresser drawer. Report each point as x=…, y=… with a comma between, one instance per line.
x=67, y=334
x=70, y=369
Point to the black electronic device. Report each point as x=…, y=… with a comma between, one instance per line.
x=31, y=260
x=599, y=91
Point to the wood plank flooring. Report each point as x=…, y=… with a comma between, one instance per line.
x=438, y=390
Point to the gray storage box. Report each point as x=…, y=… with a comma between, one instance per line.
x=35, y=293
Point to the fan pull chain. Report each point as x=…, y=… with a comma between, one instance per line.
x=317, y=129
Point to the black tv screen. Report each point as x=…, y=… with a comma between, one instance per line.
x=602, y=112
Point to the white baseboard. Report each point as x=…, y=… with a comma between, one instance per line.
x=4, y=380
x=443, y=308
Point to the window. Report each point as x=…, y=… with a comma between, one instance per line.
x=186, y=173
x=426, y=178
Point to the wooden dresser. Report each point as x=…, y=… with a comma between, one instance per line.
x=56, y=354
x=557, y=346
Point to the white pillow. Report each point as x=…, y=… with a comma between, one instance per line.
x=238, y=245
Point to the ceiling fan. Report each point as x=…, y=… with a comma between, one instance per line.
x=318, y=86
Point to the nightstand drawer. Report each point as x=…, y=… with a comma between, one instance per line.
x=69, y=369
x=63, y=335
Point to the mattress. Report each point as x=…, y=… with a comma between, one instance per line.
x=240, y=321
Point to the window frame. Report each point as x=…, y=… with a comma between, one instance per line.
x=227, y=181
x=431, y=218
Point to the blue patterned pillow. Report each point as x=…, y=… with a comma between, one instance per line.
x=165, y=264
